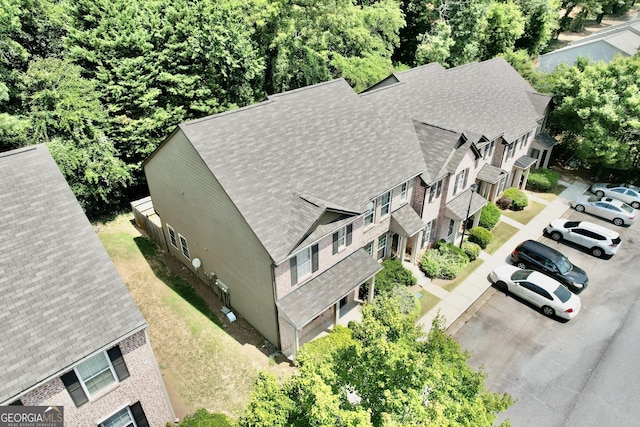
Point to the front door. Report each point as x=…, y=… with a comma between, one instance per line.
x=395, y=243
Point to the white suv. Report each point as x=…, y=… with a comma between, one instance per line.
x=599, y=240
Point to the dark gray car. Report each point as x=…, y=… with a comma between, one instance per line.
x=537, y=256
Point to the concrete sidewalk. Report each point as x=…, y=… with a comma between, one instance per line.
x=454, y=305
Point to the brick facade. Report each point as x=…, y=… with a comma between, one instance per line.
x=144, y=385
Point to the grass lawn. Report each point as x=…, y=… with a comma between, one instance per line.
x=550, y=197
x=202, y=364
x=427, y=302
x=501, y=233
x=527, y=214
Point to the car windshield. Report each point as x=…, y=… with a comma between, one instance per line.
x=571, y=224
x=564, y=266
x=562, y=293
x=520, y=275
x=593, y=199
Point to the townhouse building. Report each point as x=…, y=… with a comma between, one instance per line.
x=286, y=207
x=72, y=336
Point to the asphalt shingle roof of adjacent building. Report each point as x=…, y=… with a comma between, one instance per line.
x=61, y=298
x=304, y=151
x=487, y=98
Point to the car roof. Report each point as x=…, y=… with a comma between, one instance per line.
x=598, y=229
x=548, y=283
x=540, y=248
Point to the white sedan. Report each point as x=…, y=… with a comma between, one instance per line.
x=605, y=207
x=629, y=194
x=540, y=290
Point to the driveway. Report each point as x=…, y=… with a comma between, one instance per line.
x=581, y=372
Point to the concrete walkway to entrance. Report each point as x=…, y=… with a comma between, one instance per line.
x=454, y=305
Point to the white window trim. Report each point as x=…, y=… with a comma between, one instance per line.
x=383, y=205
x=172, y=236
x=369, y=248
x=372, y=214
x=459, y=181
x=82, y=380
x=131, y=419
x=404, y=190
x=342, y=238
x=386, y=244
x=302, y=277
x=186, y=243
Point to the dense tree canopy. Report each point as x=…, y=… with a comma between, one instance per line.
x=382, y=371
x=598, y=112
x=147, y=65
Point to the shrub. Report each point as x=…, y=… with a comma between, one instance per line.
x=504, y=202
x=445, y=261
x=542, y=180
x=519, y=200
x=392, y=274
x=481, y=236
x=489, y=216
x=471, y=249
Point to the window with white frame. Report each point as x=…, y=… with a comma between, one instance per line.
x=184, y=246
x=382, y=246
x=303, y=264
x=385, y=204
x=403, y=191
x=435, y=191
x=370, y=215
x=95, y=374
x=461, y=181
x=130, y=416
x=122, y=418
x=369, y=248
x=428, y=230
x=172, y=236
x=342, y=238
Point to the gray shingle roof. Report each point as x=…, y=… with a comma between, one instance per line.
x=322, y=141
x=458, y=207
x=488, y=98
x=438, y=146
x=61, y=298
x=490, y=174
x=406, y=222
x=305, y=303
x=545, y=140
x=523, y=162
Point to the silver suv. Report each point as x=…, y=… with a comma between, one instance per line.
x=599, y=240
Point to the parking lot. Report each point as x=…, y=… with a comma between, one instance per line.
x=566, y=373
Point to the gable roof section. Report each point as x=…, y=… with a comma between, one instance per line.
x=319, y=145
x=487, y=98
x=61, y=298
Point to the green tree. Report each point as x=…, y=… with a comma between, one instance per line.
x=598, y=112
x=435, y=47
x=384, y=371
x=420, y=18
x=505, y=24
x=468, y=21
x=542, y=19
x=317, y=40
x=64, y=111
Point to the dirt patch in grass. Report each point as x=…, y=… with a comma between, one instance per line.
x=206, y=361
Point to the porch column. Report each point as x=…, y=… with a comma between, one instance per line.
x=547, y=155
x=403, y=247
x=372, y=285
x=417, y=243
x=336, y=313
x=296, y=341
x=476, y=219
x=526, y=177
x=516, y=179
